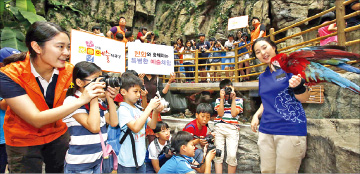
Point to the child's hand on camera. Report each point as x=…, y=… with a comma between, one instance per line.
x=160, y=107
x=203, y=142
x=211, y=155
x=111, y=92
x=155, y=102
x=92, y=90
x=222, y=94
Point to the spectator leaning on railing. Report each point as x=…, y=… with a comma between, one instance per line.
x=216, y=46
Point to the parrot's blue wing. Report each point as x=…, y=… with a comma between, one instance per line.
x=316, y=72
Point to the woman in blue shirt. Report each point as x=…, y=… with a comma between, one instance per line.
x=282, y=131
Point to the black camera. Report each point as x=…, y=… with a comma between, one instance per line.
x=166, y=149
x=210, y=139
x=203, y=50
x=109, y=81
x=187, y=48
x=152, y=34
x=229, y=48
x=228, y=90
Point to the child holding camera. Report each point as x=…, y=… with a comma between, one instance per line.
x=84, y=124
x=198, y=128
x=134, y=119
x=182, y=145
x=157, y=153
x=228, y=106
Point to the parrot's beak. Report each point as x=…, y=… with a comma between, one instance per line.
x=275, y=66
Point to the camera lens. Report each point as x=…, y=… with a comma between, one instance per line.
x=218, y=152
x=228, y=90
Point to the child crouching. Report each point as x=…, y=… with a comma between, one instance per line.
x=183, y=162
x=156, y=154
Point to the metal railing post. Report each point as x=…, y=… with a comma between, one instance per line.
x=340, y=22
x=196, y=66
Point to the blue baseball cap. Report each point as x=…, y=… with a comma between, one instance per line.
x=6, y=52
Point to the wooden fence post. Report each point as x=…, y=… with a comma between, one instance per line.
x=236, y=72
x=196, y=66
x=272, y=36
x=340, y=22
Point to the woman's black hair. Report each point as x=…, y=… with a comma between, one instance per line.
x=160, y=126
x=327, y=17
x=181, y=40
x=266, y=39
x=81, y=71
x=39, y=32
x=179, y=139
x=190, y=43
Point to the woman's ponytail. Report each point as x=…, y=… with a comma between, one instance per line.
x=14, y=58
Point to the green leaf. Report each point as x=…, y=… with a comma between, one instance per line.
x=31, y=17
x=19, y=16
x=2, y=7
x=9, y=39
x=26, y=5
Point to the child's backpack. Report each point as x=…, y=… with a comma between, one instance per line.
x=110, y=160
x=114, y=134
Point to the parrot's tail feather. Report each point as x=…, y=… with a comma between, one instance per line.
x=349, y=68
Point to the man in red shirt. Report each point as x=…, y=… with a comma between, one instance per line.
x=198, y=128
x=142, y=35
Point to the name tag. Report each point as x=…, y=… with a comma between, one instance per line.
x=280, y=77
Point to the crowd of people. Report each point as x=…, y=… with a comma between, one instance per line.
x=59, y=114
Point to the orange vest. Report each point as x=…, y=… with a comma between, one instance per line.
x=256, y=32
x=119, y=30
x=17, y=131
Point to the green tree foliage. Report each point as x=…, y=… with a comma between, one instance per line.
x=15, y=19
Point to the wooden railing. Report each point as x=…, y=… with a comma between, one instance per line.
x=340, y=23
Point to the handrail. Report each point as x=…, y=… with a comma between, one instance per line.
x=289, y=48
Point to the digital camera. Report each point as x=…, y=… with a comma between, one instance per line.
x=203, y=50
x=229, y=48
x=163, y=102
x=228, y=90
x=109, y=81
x=210, y=140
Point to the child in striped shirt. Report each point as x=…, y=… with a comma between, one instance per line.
x=85, y=152
x=228, y=107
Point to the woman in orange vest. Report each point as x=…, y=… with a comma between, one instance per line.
x=34, y=84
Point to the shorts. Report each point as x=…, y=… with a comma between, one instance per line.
x=226, y=134
x=244, y=57
x=215, y=67
x=230, y=60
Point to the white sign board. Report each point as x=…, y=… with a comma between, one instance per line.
x=150, y=58
x=238, y=22
x=107, y=53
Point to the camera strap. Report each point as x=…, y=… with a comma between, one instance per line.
x=157, y=145
x=191, y=163
x=87, y=106
x=129, y=132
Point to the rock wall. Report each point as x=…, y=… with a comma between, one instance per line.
x=333, y=146
x=185, y=19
